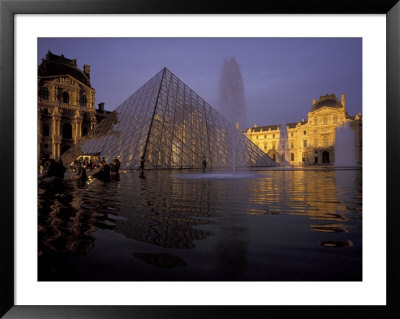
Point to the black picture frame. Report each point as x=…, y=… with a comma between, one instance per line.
x=8, y=10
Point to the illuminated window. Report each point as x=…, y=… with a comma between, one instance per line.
x=325, y=120
x=335, y=119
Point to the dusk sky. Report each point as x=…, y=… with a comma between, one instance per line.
x=281, y=76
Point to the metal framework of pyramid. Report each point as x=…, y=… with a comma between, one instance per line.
x=172, y=127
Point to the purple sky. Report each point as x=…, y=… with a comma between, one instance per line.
x=281, y=76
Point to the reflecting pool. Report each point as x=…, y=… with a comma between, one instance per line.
x=265, y=225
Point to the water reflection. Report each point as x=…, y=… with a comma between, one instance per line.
x=203, y=229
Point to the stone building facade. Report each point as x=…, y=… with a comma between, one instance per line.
x=311, y=141
x=66, y=108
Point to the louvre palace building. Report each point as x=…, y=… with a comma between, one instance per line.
x=66, y=108
x=311, y=141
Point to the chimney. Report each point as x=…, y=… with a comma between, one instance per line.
x=343, y=101
x=86, y=70
x=101, y=106
x=314, y=102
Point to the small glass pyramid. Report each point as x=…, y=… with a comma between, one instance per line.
x=172, y=127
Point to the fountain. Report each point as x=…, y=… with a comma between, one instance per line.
x=233, y=108
x=283, y=146
x=231, y=102
x=345, y=149
x=231, y=94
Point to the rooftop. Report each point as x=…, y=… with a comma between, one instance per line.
x=329, y=100
x=58, y=65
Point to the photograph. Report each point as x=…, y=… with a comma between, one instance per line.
x=200, y=159
x=188, y=160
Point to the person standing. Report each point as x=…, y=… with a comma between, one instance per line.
x=204, y=163
x=142, y=163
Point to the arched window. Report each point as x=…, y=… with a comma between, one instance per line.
x=83, y=100
x=325, y=157
x=44, y=93
x=67, y=130
x=65, y=97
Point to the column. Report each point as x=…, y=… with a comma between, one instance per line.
x=93, y=121
x=55, y=133
x=80, y=128
x=74, y=129
x=77, y=129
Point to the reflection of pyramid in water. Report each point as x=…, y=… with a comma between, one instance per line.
x=172, y=127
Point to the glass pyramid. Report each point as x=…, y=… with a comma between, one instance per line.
x=172, y=127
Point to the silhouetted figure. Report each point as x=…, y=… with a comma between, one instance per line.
x=50, y=169
x=59, y=168
x=84, y=164
x=115, y=165
x=107, y=172
x=99, y=173
x=142, y=163
x=118, y=161
x=52, y=172
x=204, y=163
x=80, y=172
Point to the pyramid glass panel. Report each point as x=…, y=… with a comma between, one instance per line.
x=172, y=127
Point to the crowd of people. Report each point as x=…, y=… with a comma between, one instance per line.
x=54, y=170
x=51, y=170
x=102, y=171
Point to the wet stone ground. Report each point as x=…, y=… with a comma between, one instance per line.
x=272, y=225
